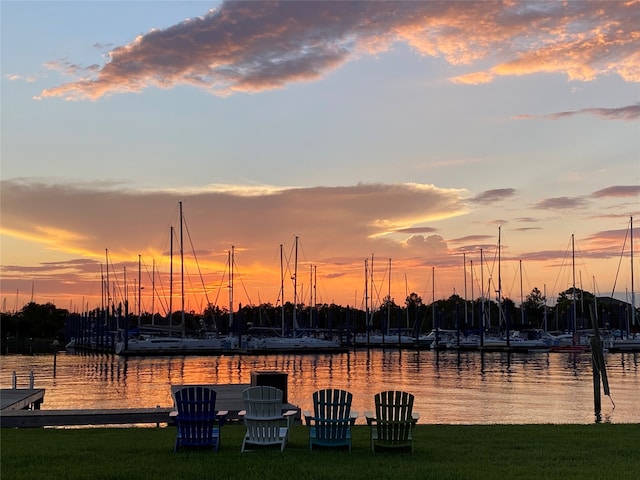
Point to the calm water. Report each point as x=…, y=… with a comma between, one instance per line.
x=465, y=388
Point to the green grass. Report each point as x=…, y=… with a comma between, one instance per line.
x=599, y=451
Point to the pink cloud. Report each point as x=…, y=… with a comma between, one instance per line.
x=254, y=46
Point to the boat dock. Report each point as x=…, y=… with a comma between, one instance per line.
x=12, y=399
x=229, y=398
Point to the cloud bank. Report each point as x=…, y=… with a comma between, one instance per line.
x=257, y=45
x=82, y=220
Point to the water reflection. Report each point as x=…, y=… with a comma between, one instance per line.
x=450, y=387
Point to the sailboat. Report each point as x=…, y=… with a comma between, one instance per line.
x=167, y=344
x=572, y=341
x=630, y=342
x=271, y=340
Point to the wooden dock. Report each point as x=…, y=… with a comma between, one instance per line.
x=20, y=398
x=229, y=397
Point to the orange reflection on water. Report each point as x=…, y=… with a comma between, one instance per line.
x=449, y=387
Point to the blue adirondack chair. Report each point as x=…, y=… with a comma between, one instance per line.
x=332, y=418
x=197, y=421
x=393, y=421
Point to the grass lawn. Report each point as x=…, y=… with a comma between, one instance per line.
x=585, y=452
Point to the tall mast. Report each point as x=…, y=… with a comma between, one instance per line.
x=372, y=288
x=545, y=308
x=482, y=321
x=388, y=302
x=499, y=292
x=633, y=295
x=366, y=296
x=433, y=304
x=282, y=288
x=171, y=277
x=464, y=268
x=472, y=297
x=102, y=294
x=521, y=297
x=573, y=269
x=295, y=288
x=126, y=295
x=183, y=326
x=231, y=261
x=153, y=292
x=139, y=289
x=106, y=311
x=314, y=300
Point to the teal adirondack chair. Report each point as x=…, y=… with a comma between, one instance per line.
x=393, y=421
x=197, y=421
x=332, y=418
x=266, y=423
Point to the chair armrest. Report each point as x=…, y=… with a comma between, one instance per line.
x=289, y=416
x=352, y=417
x=173, y=414
x=242, y=413
x=222, y=413
x=307, y=417
x=368, y=415
x=415, y=417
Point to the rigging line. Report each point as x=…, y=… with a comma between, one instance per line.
x=224, y=273
x=195, y=258
x=554, y=292
x=581, y=258
x=244, y=288
x=115, y=279
x=624, y=244
x=164, y=303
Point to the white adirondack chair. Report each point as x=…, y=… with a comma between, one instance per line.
x=266, y=423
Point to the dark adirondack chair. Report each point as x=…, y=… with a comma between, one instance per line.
x=393, y=420
x=197, y=421
x=330, y=424
x=266, y=423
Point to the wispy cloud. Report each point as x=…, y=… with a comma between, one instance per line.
x=618, y=191
x=630, y=112
x=561, y=203
x=627, y=113
x=14, y=78
x=254, y=45
x=492, y=196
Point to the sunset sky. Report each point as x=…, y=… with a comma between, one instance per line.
x=369, y=130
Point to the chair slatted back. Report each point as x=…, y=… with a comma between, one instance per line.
x=196, y=418
x=263, y=402
x=332, y=411
x=394, y=417
x=263, y=416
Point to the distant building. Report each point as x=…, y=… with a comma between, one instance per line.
x=616, y=314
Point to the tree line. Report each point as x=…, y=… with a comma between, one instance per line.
x=46, y=321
